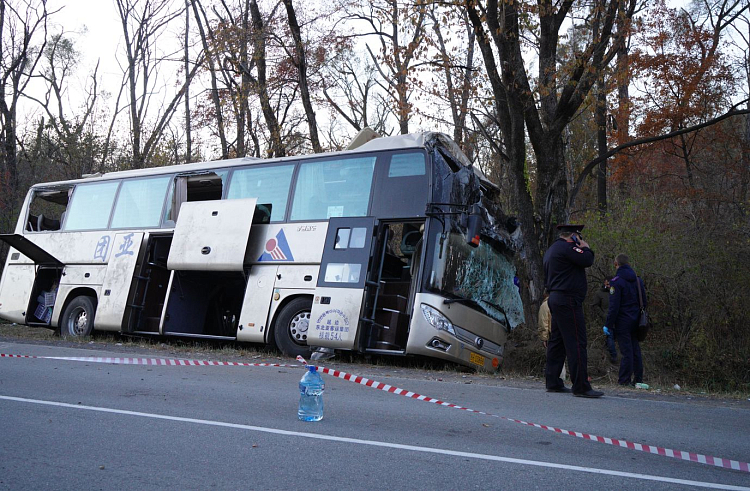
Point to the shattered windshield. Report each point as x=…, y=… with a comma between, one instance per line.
x=481, y=276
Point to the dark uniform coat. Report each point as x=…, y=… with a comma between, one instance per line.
x=565, y=278
x=624, y=310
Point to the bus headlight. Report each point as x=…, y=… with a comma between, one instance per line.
x=437, y=320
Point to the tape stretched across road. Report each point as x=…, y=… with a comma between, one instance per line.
x=666, y=452
x=171, y=362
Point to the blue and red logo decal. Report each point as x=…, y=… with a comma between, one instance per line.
x=277, y=249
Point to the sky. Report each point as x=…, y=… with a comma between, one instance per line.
x=95, y=27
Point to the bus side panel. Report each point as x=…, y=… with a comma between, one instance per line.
x=212, y=236
x=297, y=276
x=288, y=242
x=89, y=275
x=91, y=247
x=253, y=323
x=334, y=319
x=117, y=281
x=15, y=289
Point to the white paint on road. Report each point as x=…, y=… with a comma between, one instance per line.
x=374, y=443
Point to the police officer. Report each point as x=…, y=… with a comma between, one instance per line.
x=624, y=310
x=565, y=264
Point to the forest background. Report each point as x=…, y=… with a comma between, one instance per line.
x=630, y=116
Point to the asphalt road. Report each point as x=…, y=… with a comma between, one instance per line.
x=85, y=425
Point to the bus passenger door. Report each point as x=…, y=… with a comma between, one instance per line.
x=117, y=281
x=337, y=306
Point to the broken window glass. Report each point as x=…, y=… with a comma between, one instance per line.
x=483, y=276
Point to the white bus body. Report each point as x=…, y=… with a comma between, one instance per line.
x=357, y=250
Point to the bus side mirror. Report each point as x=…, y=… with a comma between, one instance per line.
x=474, y=224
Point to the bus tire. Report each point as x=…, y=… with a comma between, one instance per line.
x=77, y=319
x=292, y=326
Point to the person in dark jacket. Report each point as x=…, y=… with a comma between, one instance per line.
x=565, y=264
x=600, y=304
x=624, y=309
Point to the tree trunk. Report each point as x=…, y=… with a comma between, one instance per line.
x=9, y=145
x=300, y=61
x=188, y=135
x=243, y=92
x=623, y=96
x=259, y=55
x=601, y=139
x=466, y=92
x=214, y=86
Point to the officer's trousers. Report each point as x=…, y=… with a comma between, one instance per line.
x=567, y=338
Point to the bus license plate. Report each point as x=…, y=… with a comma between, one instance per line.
x=476, y=359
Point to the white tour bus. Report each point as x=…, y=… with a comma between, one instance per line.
x=392, y=247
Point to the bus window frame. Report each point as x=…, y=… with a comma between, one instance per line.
x=36, y=191
x=289, y=192
x=169, y=223
x=163, y=202
x=379, y=155
x=381, y=176
x=111, y=210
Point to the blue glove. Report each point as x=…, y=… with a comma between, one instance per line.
x=606, y=331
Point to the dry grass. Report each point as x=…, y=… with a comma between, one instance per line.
x=523, y=364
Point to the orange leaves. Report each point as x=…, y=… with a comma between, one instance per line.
x=683, y=75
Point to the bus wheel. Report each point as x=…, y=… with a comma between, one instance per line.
x=291, y=328
x=77, y=319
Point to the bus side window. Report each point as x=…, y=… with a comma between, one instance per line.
x=403, y=187
x=91, y=206
x=333, y=188
x=140, y=202
x=269, y=184
x=208, y=186
x=47, y=209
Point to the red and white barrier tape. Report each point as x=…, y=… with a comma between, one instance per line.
x=176, y=362
x=666, y=452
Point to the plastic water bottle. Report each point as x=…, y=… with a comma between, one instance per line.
x=311, y=387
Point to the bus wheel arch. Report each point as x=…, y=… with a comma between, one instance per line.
x=291, y=326
x=77, y=318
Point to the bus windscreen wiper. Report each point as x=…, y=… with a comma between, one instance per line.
x=459, y=299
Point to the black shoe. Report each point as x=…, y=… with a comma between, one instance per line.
x=613, y=360
x=591, y=394
x=563, y=389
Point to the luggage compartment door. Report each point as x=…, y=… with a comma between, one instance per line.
x=30, y=250
x=212, y=235
x=23, y=285
x=335, y=316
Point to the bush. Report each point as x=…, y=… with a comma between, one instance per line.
x=697, y=278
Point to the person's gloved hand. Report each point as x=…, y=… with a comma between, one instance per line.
x=606, y=331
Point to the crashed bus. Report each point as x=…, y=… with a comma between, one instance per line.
x=392, y=247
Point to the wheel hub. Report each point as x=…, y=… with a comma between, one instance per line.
x=299, y=326
x=79, y=322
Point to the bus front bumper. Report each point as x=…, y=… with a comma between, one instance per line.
x=480, y=347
